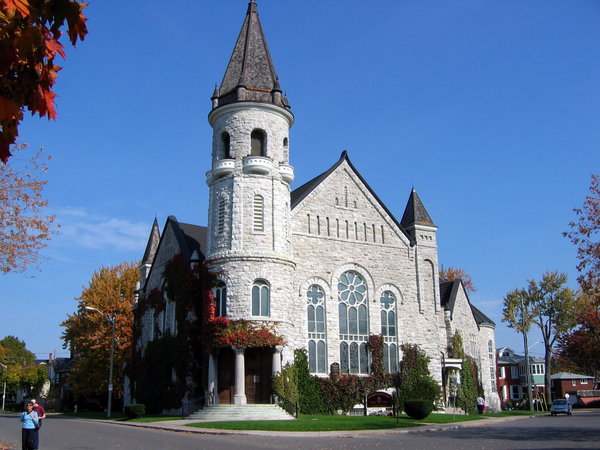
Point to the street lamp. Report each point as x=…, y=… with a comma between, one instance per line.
x=111, y=319
x=4, y=389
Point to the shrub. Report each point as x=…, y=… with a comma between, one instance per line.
x=414, y=379
x=135, y=410
x=309, y=396
x=418, y=409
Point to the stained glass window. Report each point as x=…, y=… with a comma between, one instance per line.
x=315, y=311
x=353, y=323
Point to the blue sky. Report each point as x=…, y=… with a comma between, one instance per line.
x=490, y=109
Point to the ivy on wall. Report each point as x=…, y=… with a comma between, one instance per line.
x=163, y=372
x=469, y=387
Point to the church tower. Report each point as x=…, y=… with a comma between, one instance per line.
x=248, y=243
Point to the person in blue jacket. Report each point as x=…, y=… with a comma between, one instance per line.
x=29, y=429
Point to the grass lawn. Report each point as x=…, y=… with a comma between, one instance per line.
x=313, y=423
x=349, y=423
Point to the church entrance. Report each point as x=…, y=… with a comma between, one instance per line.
x=226, y=374
x=258, y=363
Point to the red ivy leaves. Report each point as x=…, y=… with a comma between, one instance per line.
x=29, y=42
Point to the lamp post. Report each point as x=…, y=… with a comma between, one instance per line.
x=111, y=319
x=4, y=388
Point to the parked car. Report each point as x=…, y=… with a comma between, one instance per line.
x=560, y=406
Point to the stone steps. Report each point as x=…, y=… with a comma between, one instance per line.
x=218, y=413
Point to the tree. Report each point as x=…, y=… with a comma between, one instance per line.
x=451, y=274
x=30, y=32
x=111, y=290
x=24, y=231
x=21, y=372
x=584, y=234
x=549, y=304
x=579, y=350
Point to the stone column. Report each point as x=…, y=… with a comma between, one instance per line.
x=276, y=367
x=240, y=377
x=211, y=392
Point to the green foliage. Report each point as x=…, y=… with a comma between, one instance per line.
x=414, y=380
x=469, y=387
x=309, y=397
x=549, y=304
x=285, y=388
x=21, y=371
x=375, y=346
x=135, y=410
x=418, y=409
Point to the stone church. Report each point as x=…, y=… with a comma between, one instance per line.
x=326, y=264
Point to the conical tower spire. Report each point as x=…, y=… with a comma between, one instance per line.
x=415, y=212
x=250, y=74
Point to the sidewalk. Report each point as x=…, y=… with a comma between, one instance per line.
x=180, y=426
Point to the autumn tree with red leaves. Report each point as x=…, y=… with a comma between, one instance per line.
x=89, y=334
x=581, y=347
x=24, y=230
x=584, y=233
x=451, y=274
x=30, y=32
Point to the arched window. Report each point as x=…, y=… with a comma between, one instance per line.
x=259, y=213
x=226, y=145
x=389, y=331
x=261, y=298
x=315, y=311
x=257, y=143
x=285, y=142
x=221, y=300
x=353, y=323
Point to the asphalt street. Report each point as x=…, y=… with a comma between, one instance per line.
x=581, y=430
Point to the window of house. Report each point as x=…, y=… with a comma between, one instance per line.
x=515, y=392
x=514, y=372
x=583, y=381
x=259, y=213
x=353, y=323
x=257, y=143
x=389, y=332
x=221, y=300
x=574, y=382
x=502, y=372
x=261, y=298
x=315, y=311
x=226, y=145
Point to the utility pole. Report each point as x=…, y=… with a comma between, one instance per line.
x=527, y=368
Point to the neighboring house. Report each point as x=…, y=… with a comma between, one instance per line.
x=60, y=396
x=580, y=388
x=512, y=380
x=325, y=265
x=509, y=384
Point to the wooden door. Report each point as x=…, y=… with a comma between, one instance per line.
x=258, y=363
x=225, y=375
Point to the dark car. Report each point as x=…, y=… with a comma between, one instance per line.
x=560, y=406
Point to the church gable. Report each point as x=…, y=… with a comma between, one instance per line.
x=339, y=204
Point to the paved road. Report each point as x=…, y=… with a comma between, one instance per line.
x=582, y=430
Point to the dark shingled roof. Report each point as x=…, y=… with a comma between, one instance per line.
x=250, y=74
x=415, y=212
x=448, y=293
x=300, y=193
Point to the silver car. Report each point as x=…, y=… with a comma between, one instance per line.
x=560, y=406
